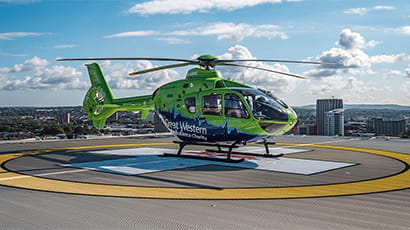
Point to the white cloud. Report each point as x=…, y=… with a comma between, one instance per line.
x=12, y=54
x=346, y=59
x=350, y=40
x=233, y=32
x=132, y=34
x=12, y=35
x=54, y=78
x=384, y=8
x=186, y=7
x=372, y=43
x=173, y=40
x=277, y=83
x=66, y=80
x=389, y=58
x=155, y=79
x=363, y=11
x=405, y=30
x=405, y=87
x=223, y=31
x=117, y=75
x=64, y=46
x=344, y=79
x=392, y=73
x=351, y=88
x=388, y=31
x=28, y=65
x=354, y=40
x=321, y=72
x=58, y=74
x=328, y=85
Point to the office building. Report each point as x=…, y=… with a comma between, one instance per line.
x=323, y=106
x=306, y=129
x=386, y=127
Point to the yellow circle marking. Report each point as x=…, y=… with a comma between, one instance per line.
x=389, y=183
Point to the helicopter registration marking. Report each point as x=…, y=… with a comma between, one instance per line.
x=398, y=181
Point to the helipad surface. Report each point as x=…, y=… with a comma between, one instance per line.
x=149, y=160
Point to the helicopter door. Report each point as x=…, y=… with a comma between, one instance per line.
x=211, y=113
x=237, y=114
x=234, y=106
x=212, y=104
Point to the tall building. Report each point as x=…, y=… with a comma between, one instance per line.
x=323, y=106
x=334, y=122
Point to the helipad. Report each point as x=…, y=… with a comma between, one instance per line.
x=200, y=180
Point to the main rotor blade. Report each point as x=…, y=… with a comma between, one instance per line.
x=126, y=58
x=160, y=68
x=269, y=70
x=273, y=60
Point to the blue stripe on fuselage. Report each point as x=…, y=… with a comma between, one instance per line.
x=200, y=130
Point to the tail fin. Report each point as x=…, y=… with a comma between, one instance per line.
x=100, y=104
x=97, y=96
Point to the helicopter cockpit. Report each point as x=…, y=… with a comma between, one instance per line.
x=263, y=105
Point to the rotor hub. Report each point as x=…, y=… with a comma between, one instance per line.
x=207, y=61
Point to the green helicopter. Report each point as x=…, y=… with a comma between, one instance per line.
x=202, y=108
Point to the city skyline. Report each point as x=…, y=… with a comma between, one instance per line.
x=367, y=39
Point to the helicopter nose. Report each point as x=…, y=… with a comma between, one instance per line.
x=275, y=128
x=292, y=118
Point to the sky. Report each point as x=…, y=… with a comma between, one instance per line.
x=367, y=39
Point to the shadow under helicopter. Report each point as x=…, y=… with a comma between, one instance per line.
x=144, y=164
x=54, y=165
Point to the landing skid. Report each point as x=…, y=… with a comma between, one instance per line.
x=228, y=152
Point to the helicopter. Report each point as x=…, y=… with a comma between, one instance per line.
x=202, y=109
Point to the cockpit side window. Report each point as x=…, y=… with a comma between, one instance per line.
x=212, y=104
x=234, y=106
x=190, y=104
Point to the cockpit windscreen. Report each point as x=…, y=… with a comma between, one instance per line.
x=264, y=106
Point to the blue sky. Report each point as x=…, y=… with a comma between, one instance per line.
x=368, y=40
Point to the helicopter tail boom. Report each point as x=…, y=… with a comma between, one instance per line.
x=100, y=103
